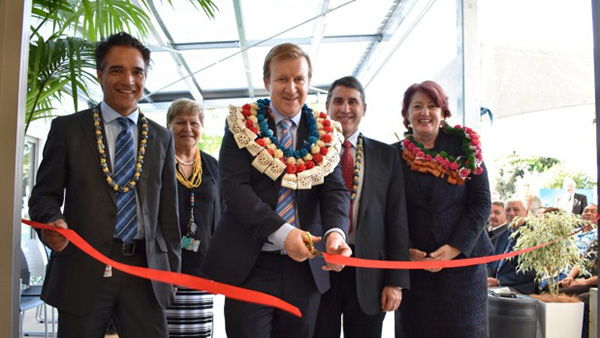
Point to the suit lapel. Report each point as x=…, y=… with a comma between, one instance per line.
x=370, y=170
x=149, y=157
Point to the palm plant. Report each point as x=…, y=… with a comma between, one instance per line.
x=62, y=42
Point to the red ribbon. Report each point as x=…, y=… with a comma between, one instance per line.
x=174, y=278
x=455, y=263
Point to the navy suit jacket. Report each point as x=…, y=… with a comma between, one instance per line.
x=70, y=172
x=506, y=270
x=382, y=231
x=249, y=215
x=455, y=215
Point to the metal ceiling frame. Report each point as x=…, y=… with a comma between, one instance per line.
x=182, y=66
x=258, y=43
x=239, y=19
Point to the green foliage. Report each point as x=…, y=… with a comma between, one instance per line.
x=555, y=176
x=512, y=168
x=57, y=67
x=210, y=144
x=61, y=48
x=549, y=260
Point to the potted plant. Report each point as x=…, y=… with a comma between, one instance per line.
x=559, y=315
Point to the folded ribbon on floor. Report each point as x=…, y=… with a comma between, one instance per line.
x=174, y=278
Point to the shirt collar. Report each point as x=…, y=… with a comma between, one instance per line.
x=353, y=139
x=278, y=117
x=109, y=114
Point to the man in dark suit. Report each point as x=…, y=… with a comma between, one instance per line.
x=378, y=229
x=571, y=201
x=504, y=272
x=260, y=242
x=497, y=220
x=114, y=170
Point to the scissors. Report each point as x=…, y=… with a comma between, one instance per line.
x=310, y=245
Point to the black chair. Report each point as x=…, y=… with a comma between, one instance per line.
x=33, y=265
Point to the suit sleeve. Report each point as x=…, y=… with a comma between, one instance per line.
x=396, y=226
x=476, y=211
x=48, y=193
x=238, y=195
x=168, y=215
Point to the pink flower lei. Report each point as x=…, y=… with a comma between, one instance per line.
x=458, y=169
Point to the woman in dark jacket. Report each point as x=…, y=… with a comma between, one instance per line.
x=199, y=208
x=448, y=202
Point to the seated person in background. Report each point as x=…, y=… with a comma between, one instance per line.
x=497, y=220
x=583, y=240
x=572, y=285
x=504, y=272
x=581, y=286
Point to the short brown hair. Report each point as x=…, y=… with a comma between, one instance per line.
x=499, y=204
x=285, y=51
x=183, y=105
x=431, y=89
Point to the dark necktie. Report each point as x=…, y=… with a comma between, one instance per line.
x=348, y=172
x=285, y=203
x=124, y=168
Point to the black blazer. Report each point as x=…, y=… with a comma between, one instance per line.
x=579, y=203
x=506, y=270
x=455, y=215
x=70, y=172
x=382, y=231
x=249, y=215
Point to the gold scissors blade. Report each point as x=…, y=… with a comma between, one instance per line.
x=310, y=245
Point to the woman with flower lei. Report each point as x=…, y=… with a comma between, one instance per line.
x=448, y=202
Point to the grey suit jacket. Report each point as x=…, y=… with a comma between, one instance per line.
x=382, y=231
x=70, y=173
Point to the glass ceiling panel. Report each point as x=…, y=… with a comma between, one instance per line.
x=188, y=24
x=336, y=60
x=164, y=71
x=264, y=18
x=227, y=74
x=357, y=18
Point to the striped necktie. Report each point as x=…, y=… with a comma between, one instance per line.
x=285, y=203
x=124, y=168
x=348, y=173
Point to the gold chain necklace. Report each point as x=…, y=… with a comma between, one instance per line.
x=140, y=158
x=196, y=179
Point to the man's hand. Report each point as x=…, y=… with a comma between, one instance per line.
x=420, y=256
x=295, y=247
x=492, y=282
x=391, y=297
x=53, y=239
x=567, y=282
x=336, y=245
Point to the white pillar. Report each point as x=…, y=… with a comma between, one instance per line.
x=14, y=46
x=468, y=63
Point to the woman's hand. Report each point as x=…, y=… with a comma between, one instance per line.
x=445, y=253
x=418, y=255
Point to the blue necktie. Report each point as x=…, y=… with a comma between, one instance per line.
x=285, y=203
x=124, y=168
